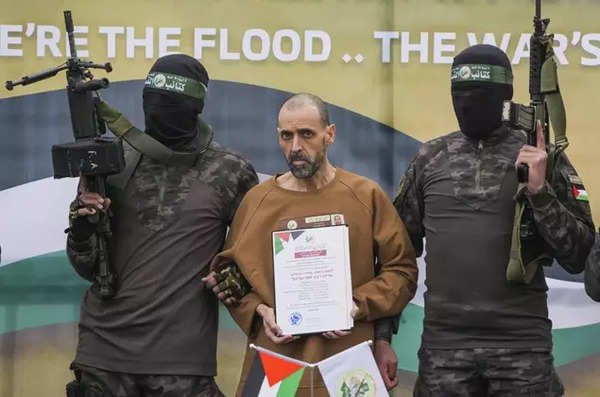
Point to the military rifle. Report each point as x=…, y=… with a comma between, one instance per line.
x=92, y=156
x=546, y=107
x=526, y=117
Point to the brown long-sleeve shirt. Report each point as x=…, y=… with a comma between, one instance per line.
x=375, y=232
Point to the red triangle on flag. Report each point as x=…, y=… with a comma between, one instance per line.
x=575, y=191
x=284, y=236
x=277, y=369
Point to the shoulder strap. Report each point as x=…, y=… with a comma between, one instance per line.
x=149, y=146
x=120, y=180
x=152, y=148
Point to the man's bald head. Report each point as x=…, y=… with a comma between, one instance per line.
x=303, y=99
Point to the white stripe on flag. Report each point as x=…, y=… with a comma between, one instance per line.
x=268, y=391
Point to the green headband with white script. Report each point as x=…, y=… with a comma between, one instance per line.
x=175, y=83
x=481, y=73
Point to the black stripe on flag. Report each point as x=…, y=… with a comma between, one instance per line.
x=255, y=378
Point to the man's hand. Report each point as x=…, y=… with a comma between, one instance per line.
x=86, y=204
x=210, y=280
x=272, y=330
x=228, y=283
x=535, y=157
x=387, y=362
x=337, y=334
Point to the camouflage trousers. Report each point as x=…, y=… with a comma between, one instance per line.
x=100, y=383
x=487, y=372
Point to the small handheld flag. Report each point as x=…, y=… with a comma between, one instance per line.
x=353, y=373
x=273, y=374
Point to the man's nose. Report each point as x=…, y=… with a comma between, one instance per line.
x=296, y=147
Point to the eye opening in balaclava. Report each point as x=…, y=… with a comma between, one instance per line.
x=481, y=80
x=173, y=98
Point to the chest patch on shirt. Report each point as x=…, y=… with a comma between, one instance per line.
x=575, y=180
x=305, y=222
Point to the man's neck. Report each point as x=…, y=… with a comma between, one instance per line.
x=324, y=175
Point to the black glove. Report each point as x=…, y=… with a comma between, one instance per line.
x=231, y=281
x=80, y=228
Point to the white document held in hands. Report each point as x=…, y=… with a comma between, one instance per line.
x=313, y=287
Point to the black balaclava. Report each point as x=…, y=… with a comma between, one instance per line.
x=481, y=80
x=174, y=95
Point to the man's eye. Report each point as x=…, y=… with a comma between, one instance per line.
x=307, y=134
x=286, y=135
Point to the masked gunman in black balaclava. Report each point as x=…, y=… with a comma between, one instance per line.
x=171, y=208
x=174, y=94
x=483, y=335
x=481, y=80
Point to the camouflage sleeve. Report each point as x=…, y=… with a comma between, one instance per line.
x=592, y=271
x=83, y=256
x=409, y=204
x=410, y=208
x=563, y=218
x=247, y=179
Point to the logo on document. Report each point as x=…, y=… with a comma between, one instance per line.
x=295, y=318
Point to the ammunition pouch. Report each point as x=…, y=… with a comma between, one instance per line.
x=77, y=388
x=80, y=388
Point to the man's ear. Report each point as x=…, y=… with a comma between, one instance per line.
x=330, y=131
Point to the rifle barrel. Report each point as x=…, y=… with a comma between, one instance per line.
x=69, y=26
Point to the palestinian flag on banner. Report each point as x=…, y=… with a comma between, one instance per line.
x=272, y=374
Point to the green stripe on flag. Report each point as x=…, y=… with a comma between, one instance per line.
x=278, y=245
x=290, y=384
x=583, y=196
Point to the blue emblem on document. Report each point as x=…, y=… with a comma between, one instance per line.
x=295, y=318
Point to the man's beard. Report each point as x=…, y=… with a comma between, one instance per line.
x=309, y=168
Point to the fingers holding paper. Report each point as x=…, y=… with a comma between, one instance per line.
x=272, y=330
x=337, y=334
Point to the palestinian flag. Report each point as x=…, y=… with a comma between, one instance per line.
x=580, y=194
x=273, y=375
